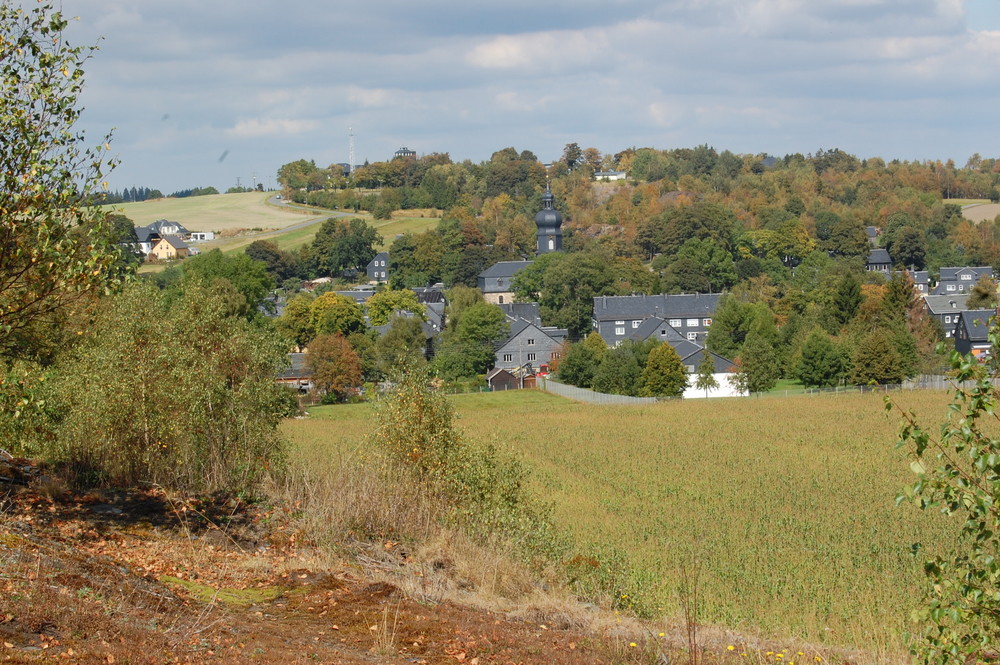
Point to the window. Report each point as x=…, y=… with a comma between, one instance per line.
x=508, y=357
x=635, y=324
x=947, y=319
x=620, y=331
x=692, y=323
x=674, y=323
x=950, y=287
x=966, y=277
x=531, y=342
x=693, y=336
x=499, y=281
x=961, y=287
x=689, y=368
x=663, y=333
x=499, y=300
x=706, y=322
x=531, y=357
x=619, y=323
x=552, y=244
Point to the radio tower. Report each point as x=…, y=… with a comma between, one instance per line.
x=350, y=152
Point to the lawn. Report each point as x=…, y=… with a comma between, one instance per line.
x=788, y=503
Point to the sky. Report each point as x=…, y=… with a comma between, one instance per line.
x=220, y=92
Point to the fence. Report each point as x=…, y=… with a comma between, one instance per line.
x=584, y=395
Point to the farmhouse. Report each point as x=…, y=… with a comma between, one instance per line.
x=168, y=248
x=879, y=261
x=495, y=281
x=615, y=318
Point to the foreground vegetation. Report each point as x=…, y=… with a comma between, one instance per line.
x=788, y=504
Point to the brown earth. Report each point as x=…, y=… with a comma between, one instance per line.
x=132, y=577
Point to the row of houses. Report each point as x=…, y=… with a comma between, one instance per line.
x=165, y=240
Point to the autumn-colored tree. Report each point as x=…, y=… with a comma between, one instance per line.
x=384, y=304
x=335, y=367
x=334, y=313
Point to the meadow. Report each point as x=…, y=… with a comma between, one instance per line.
x=787, y=504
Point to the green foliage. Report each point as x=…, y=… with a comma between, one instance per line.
x=341, y=245
x=958, y=474
x=468, y=348
x=758, y=370
x=486, y=489
x=821, y=365
x=384, y=304
x=296, y=322
x=281, y=265
x=401, y=346
x=249, y=278
x=983, y=294
x=618, y=373
x=57, y=252
x=705, y=373
x=876, y=360
x=664, y=374
x=182, y=396
x=579, y=365
x=332, y=313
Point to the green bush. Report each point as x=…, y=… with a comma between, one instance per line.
x=178, y=395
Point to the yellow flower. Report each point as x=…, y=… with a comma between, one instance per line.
x=731, y=647
x=631, y=644
x=662, y=634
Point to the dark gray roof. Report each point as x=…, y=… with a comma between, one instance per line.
x=359, y=296
x=146, y=234
x=651, y=327
x=977, y=323
x=664, y=306
x=522, y=310
x=919, y=276
x=878, y=256
x=871, y=231
x=505, y=269
x=158, y=225
x=951, y=273
x=429, y=294
x=381, y=256
x=176, y=242
x=946, y=304
x=297, y=367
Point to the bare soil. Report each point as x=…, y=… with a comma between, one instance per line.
x=133, y=577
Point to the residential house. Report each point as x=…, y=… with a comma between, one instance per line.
x=147, y=238
x=529, y=344
x=691, y=354
x=378, y=268
x=169, y=248
x=529, y=311
x=297, y=375
x=610, y=175
x=972, y=331
x=690, y=314
x=946, y=309
x=879, y=261
x=872, y=233
x=510, y=379
x=166, y=227
x=201, y=236
x=921, y=280
x=495, y=281
x=960, y=280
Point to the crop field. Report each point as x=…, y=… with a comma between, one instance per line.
x=216, y=212
x=984, y=212
x=787, y=503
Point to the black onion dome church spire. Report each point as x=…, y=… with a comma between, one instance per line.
x=549, y=222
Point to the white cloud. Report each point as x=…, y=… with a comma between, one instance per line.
x=541, y=50
x=260, y=127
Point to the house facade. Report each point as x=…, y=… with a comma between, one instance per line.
x=529, y=345
x=946, y=309
x=960, y=280
x=169, y=248
x=378, y=268
x=616, y=318
x=495, y=281
x=879, y=261
x=972, y=331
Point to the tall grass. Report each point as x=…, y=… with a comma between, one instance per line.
x=788, y=503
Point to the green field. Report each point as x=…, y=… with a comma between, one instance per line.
x=787, y=502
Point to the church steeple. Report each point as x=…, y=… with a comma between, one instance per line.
x=549, y=222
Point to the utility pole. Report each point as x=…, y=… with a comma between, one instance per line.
x=350, y=152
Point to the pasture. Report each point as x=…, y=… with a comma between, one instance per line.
x=216, y=212
x=787, y=503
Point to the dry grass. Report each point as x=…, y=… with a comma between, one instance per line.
x=788, y=502
x=216, y=212
x=984, y=212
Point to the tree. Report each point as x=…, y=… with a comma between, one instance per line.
x=296, y=321
x=336, y=368
x=956, y=469
x=333, y=313
x=572, y=155
x=578, y=366
x=876, y=360
x=57, y=250
x=664, y=374
x=705, y=379
x=983, y=294
x=249, y=278
x=342, y=245
x=280, y=264
x=821, y=364
x=758, y=369
x=618, y=373
x=384, y=304
x=847, y=299
x=402, y=346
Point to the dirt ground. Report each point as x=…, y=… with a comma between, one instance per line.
x=116, y=577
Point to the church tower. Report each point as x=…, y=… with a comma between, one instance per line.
x=549, y=222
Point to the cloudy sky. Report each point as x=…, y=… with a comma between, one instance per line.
x=205, y=92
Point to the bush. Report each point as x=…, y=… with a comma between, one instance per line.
x=182, y=396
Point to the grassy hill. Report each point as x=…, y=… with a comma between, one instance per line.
x=787, y=503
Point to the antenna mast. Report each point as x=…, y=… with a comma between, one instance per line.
x=350, y=153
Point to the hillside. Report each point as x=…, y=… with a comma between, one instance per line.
x=216, y=212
